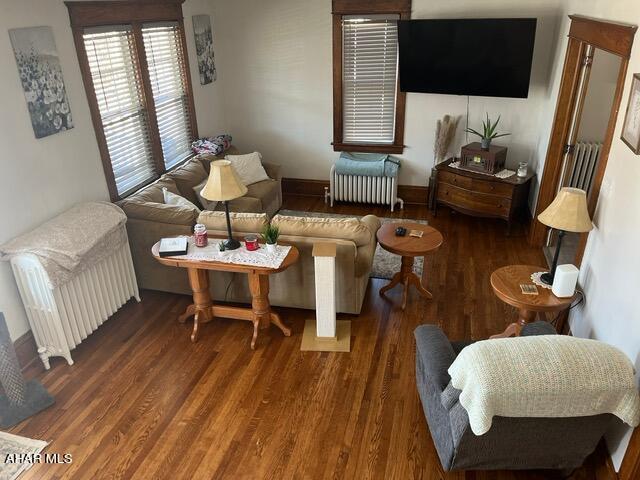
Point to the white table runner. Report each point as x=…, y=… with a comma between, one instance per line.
x=240, y=256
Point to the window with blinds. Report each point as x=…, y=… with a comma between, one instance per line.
x=166, y=63
x=120, y=98
x=369, y=78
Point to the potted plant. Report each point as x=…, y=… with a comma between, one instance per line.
x=488, y=132
x=270, y=234
x=222, y=249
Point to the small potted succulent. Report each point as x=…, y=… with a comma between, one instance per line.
x=222, y=249
x=488, y=132
x=270, y=234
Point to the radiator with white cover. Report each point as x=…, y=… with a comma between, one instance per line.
x=363, y=189
x=64, y=316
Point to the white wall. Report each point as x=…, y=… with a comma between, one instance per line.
x=600, y=92
x=275, y=70
x=609, y=273
x=42, y=177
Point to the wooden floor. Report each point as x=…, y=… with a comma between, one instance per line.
x=142, y=401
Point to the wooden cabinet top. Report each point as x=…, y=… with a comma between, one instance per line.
x=512, y=180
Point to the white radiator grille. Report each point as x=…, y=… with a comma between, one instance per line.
x=363, y=189
x=62, y=317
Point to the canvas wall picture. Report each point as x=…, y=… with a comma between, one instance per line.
x=631, y=125
x=41, y=77
x=204, y=48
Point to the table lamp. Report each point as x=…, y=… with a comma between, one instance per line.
x=567, y=213
x=224, y=185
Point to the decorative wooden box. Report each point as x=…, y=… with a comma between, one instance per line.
x=473, y=157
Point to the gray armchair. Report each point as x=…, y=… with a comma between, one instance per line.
x=511, y=443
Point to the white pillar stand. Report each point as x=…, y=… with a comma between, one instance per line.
x=325, y=334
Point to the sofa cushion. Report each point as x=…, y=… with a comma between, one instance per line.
x=173, y=199
x=240, y=222
x=188, y=176
x=248, y=167
x=338, y=228
x=206, y=204
x=153, y=192
x=159, y=212
x=244, y=204
x=266, y=191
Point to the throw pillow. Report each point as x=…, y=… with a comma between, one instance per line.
x=248, y=167
x=171, y=198
x=206, y=204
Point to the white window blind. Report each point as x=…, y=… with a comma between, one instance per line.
x=117, y=84
x=369, y=78
x=165, y=58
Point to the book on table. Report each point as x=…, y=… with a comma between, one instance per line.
x=170, y=247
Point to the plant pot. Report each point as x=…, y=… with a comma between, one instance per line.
x=485, y=143
x=271, y=247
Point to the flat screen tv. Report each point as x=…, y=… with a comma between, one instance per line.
x=483, y=57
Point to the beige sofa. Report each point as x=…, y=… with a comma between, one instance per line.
x=354, y=238
x=149, y=219
x=295, y=287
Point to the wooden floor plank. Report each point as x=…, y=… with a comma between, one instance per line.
x=142, y=401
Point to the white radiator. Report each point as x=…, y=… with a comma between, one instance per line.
x=62, y=317
x=586, y=156
x=363, y=189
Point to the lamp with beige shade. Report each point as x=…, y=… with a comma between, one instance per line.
x=224, y=185
x=567, y=213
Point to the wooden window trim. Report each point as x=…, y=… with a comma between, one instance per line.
x=340, y=8
x=87, y=14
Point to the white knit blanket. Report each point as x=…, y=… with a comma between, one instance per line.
x=73, y=241
x=544, y=376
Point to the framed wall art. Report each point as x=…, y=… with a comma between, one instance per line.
x=631, y=126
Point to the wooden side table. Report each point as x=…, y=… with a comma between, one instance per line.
x=204, y=310
x=506, y=283
x=409, y=248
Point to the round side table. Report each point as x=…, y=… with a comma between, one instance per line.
x=408, y=247
x=506, y=283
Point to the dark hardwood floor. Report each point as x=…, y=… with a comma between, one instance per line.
x=142, y=401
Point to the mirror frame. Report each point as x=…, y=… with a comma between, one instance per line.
x=612, y=37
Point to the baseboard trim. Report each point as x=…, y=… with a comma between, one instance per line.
x=26, y=350
x=315, y=188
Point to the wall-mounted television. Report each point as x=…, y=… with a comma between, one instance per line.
x=481, y=57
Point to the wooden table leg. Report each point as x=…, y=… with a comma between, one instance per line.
x=202, y=306
x=407, y=278
x=513, y=330
x=262, y=314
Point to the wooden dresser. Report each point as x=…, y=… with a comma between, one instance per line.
x=481, y=195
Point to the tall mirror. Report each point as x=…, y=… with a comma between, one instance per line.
x=595, y=102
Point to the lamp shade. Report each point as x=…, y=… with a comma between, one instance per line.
x=568, y=211
x=223, y=183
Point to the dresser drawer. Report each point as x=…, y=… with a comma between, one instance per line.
x=457, y=180
x=481, y=203
x=492, y=186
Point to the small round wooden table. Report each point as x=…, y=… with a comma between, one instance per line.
x=506, y=283
x=408, y=247
x=204, y=310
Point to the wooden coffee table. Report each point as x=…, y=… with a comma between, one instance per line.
x=506, y=283
x=408, y=247
x=204, y=310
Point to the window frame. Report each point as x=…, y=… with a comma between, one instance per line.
x=85, y=14
x=343, y=8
